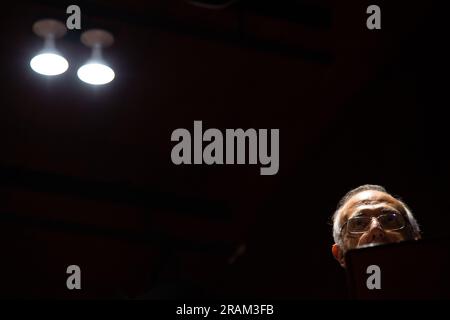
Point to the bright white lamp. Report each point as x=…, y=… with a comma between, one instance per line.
x=95, y=71
x=49, y=61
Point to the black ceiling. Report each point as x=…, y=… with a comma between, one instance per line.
x=86, y=174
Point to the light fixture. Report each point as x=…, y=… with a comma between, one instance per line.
x=49, y=61
x=95, y=71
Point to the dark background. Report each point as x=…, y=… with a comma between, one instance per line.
x=86, y=176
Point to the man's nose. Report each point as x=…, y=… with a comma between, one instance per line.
x=376, y=232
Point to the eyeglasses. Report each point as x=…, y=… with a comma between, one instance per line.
x=388, y=221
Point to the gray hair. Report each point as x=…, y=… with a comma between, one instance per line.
x=337, y=226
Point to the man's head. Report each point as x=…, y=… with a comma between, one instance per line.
x=369, y=215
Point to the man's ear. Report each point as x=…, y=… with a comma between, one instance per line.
x=338, y=254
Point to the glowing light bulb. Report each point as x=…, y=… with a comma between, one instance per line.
x=95, y=73
x=49, y=64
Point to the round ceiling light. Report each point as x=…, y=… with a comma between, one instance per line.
x=49, y=61
x=96, y=71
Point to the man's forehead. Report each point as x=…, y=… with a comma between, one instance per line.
x=368, y=197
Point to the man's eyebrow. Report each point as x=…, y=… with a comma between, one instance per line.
x=390, y=209
x=363, y=212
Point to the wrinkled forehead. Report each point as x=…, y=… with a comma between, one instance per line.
x=368, y=198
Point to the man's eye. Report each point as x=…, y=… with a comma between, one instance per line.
x=391, y=216
x=359, y=223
